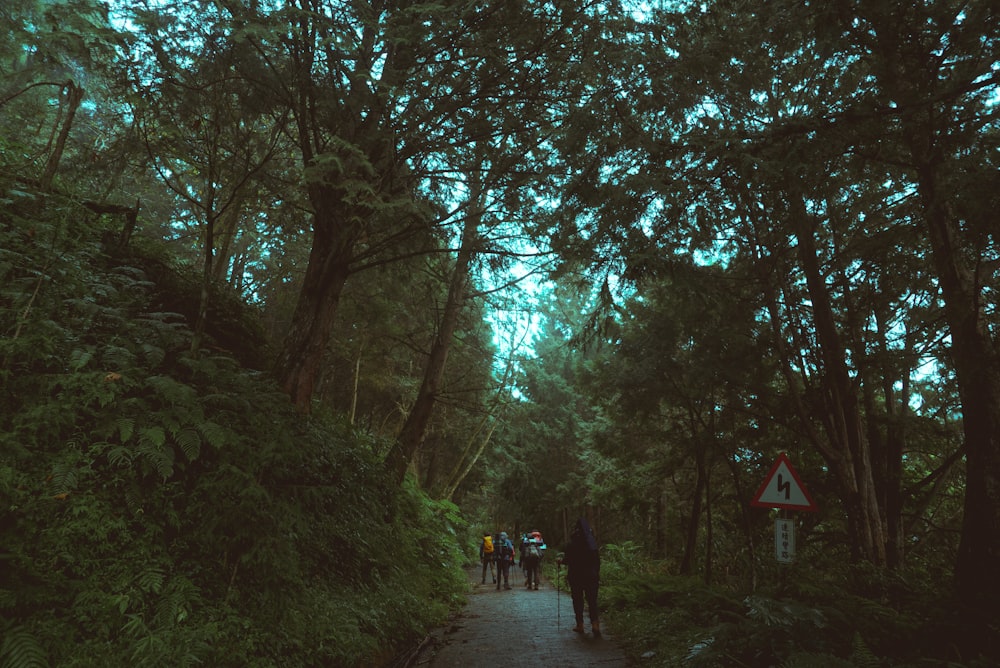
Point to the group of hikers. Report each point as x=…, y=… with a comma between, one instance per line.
x=496, y=552
x=580, y=556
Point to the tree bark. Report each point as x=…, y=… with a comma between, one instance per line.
x=458, y=477
x=208, y=252
x=709, y=529
x=977, y=371
x=300, y=361
x=74, y=95
x=935, y=128
x=850, y=456
x=893, y=444
x=748, y=530
x=694, y=518
x=414, y=430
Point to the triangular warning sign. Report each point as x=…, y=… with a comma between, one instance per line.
x=783, y=489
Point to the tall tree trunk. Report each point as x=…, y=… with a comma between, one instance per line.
x=74, y=95
x=351, y=416
x=937, y=127
x=709, y=529
x=227, y=226
x=658, y=524
x=694, y=519
x=844, y=445
x=411, y=436
x=894, y=443
x=459, y=476
x=849, y=457
x=977, y=372
x=300, y=361
x=734, y=468
x=459, y=473
x=206, y=285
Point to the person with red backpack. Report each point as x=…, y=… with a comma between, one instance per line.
x=486, y=556
x=503, y=555
x=531, y=558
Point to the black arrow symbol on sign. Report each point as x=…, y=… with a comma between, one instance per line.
x=786, y=486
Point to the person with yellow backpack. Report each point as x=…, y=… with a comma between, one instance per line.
x=486, y=550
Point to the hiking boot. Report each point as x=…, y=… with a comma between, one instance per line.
x=596, y=628
x=536, y=587
x=506, y=587
x=578, y=628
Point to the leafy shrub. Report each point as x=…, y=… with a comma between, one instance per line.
x=164, y=509
x=852, y=616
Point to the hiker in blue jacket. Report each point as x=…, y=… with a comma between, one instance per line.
x=583, y=572
x=503, y=555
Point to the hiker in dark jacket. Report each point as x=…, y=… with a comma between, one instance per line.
x=503, y=555
x=583, y=572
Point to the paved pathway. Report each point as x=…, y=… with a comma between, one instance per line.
x=524, y=627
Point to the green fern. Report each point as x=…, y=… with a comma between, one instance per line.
x=64, y=476
x=133, y=497
x=813, y=660
x=699, y=648
x=172, y=391
x=189, y=441
x=214, y=434
x=117, y=357
x=125, y=427
x=153, y=452
x=175, y=604
x=862, y=655
x=152, y=355
x=79, y=358
x=120, y=456
x=20, y=649
x=151, y=580
x=7, y=599
x=783, y=614
x=152, y=437
x=134, y=276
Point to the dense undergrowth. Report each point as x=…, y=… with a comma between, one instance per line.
x=167, y=509
x=801, y=616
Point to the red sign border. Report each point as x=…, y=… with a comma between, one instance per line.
x=783, y=458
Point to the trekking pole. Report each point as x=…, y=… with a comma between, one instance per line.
x=558, y=595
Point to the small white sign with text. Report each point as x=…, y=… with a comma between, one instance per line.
x=784, y=541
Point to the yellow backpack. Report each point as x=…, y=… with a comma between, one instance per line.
x=487, y=544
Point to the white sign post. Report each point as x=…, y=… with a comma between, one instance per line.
x=784, y=489
x=784, y=541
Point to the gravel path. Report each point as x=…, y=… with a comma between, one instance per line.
x=514, y=628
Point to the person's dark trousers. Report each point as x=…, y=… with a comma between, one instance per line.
x=503, y=572
x=581, y=591
x=488, y=564
x=531, y=569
